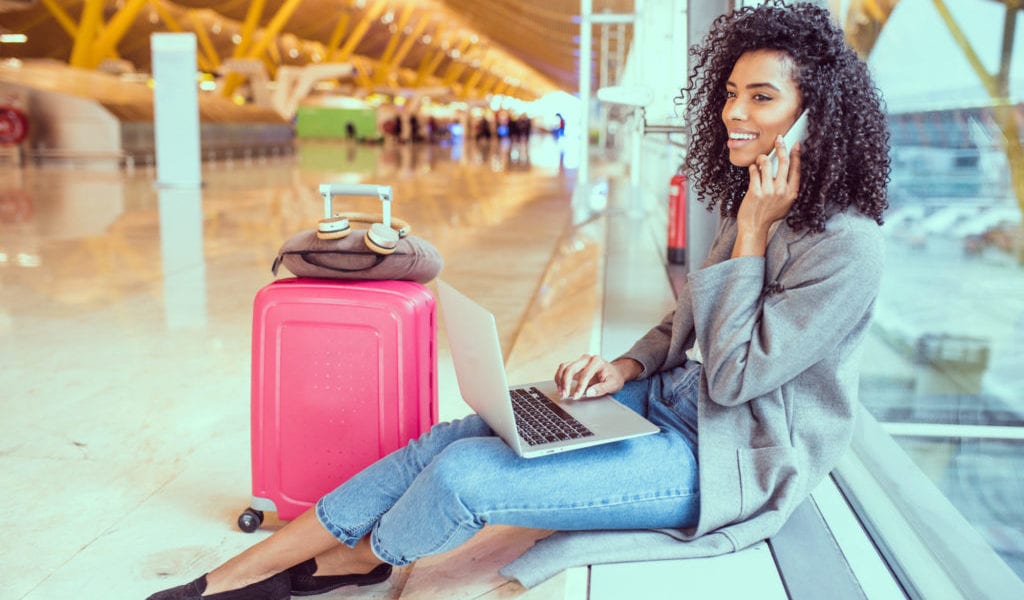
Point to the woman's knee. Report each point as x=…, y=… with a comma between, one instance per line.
x=443, y=434
x=466, y=427
x=468, y=465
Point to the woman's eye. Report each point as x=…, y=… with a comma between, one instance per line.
x=729, y=94
x=762, y=98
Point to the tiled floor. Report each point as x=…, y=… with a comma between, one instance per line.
x=125, y=333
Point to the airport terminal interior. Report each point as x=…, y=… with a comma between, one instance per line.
x=137, y=227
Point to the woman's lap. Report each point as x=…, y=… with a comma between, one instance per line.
x=436, y=493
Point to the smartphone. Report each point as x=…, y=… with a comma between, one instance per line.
x=796, y=133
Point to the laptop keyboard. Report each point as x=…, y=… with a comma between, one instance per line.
x=540, y=421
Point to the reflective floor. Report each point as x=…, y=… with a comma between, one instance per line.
x=125, y=318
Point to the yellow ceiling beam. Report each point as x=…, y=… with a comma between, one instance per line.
x=334, y=43
x=865, y=20
x=456, y=67
x=271, y=59
x=274, y=27
x=205, y=43
x=474, y=79
x=875, y=11
x=473, y=84
x=115, y=30
x=403, y=20
x=173, y=25
x=431, y=58
x=35, y=19
x=408, y=42
x=269, y=35
x=486, y=84
x=273, y=55
x=502, y=88
x=252, y=21
x=428, y=65
x=166, y=16
x=359, y=31
x=453, y=73
x=987, y=80
x=997, y=86
x=388, y=66
x=491, y=85
x=362, y=77
x=88, y=26
x=61, y=16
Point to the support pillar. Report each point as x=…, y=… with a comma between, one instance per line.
x=700, y=230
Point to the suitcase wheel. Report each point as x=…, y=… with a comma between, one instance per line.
x=250, y=520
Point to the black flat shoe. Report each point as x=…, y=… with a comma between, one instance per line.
x=305, y=583
x=277, y=587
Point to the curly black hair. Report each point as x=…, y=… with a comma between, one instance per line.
x=845, y=161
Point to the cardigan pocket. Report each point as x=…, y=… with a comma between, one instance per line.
x=763, y=472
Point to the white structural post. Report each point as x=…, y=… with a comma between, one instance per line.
x=640, y=42
x=637, y=206
x=700, y=225
x=602, y=82
x=584, y=190
x=179, y=178
x=586, y=35
x=176, y=110
x=181, y=251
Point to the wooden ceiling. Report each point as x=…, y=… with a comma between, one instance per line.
x=522, y=48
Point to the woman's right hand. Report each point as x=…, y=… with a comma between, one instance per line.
x=768, y=199
x=590, y=375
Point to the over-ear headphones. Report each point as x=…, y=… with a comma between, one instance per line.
x=383, y=231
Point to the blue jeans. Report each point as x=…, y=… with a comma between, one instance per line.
x=438, y=491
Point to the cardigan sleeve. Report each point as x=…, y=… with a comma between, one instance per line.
x=755, y=337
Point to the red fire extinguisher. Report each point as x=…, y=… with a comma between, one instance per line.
x=677, y=219
x=13, y=126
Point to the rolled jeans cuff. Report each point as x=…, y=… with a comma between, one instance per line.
x=348, y=538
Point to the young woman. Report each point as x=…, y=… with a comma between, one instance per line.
x=754, y=373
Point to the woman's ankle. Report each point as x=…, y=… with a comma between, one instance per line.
x=348, y=561
x=222, y=580
x=332, y=566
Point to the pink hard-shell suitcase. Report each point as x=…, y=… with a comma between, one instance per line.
x=343, y=372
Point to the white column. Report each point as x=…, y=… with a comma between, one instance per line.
x=602, y=82
x=700, y=225
x=176, y=110
x=182, y=258
x=586, y=35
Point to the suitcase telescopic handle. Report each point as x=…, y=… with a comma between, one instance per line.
x=329, y=190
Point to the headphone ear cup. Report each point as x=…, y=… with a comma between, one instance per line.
x=381, y=239
x=333, y=229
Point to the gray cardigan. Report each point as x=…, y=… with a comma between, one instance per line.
x=780, y=337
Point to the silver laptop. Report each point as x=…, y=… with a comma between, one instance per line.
x=530, y=418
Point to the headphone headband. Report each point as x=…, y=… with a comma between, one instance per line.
x=402, y=227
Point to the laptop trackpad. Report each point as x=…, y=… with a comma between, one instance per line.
x=603, y=415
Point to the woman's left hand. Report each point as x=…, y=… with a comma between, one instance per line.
x=768, y=199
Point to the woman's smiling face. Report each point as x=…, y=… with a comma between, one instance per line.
x=762, y=102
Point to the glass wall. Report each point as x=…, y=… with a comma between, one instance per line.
x=944, y=368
